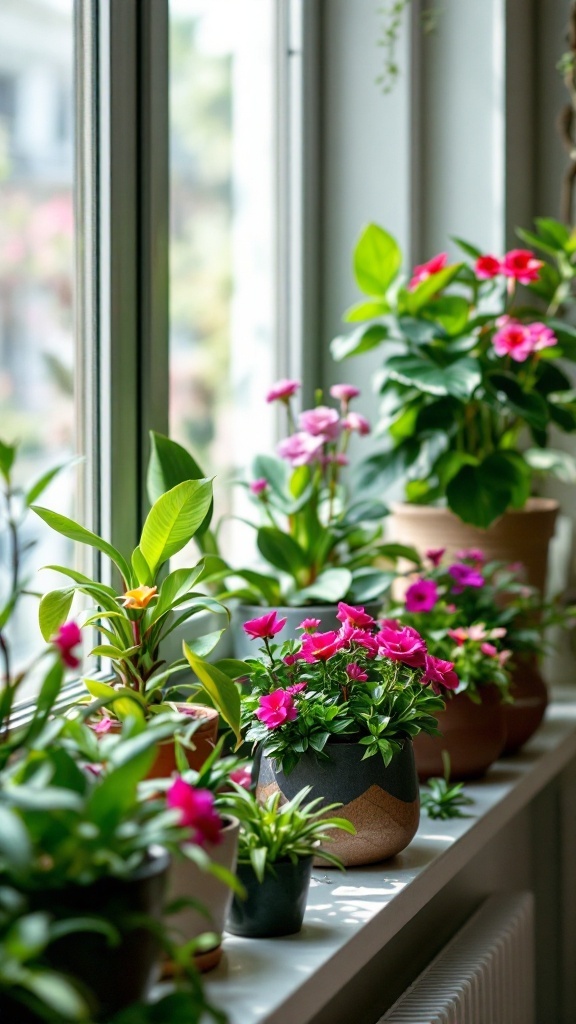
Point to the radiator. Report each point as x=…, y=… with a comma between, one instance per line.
x=485, y=975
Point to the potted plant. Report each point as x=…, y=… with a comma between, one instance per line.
x=278, y=843
x=338, y=710
x=470, y=368
x=135, y=617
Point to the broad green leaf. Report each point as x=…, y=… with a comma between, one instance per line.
x=15, y=846
x=141, y=568
x=47, y=798
x=232, y=667
x=364, y=512
x=459, y=379
x=377, y=260
x=365, y=311
x=394, y=551
x=274, y=470
x=548, y=460
x=424, y=292
x=177, y=585
x=470, y=250
x=7, y=456
x=480, y=494
x=280, y=550
x=42, y=483
x=553, y=231
x=450, y=463
x=123, y=702
x=222, y=691
x=369, y=585
x=529, y=405
x=68, y=528
x=205, y=644
x=80, y=578
x=54, y=990
x=388, y=467
x=170, y=464
x=329, y=587
x=173, y=520
x=535, y=240
x=450, y=311
x=363, y=339
x=53, y=611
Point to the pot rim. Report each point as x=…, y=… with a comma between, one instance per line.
x=534, y=504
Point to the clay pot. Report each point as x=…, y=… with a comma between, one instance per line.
x=274, y=906
x=473, y=734
x=244, y=647
x=204, y=740
x=520, y=535
x=382, y=802
x=530, y=692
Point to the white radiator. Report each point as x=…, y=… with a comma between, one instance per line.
x=485, y=975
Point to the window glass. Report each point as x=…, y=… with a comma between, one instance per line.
x=37, y=390
x=222, y=231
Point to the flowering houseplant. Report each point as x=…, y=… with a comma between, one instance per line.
x=370, y=682
x=468, y=366
x=135, y=620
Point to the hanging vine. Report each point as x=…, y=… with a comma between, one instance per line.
x=392, y=14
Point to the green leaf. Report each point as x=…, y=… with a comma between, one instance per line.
x=281, y=550
x=535, y=240
x=479, y=494
x=365, y=311
x=369, y=585
x=470, y=250
x=42, y=483
x=424, y=292
x=141, y=568
x=204, y=645
x=15, y=846
x=68, y=528
x=54, y=990
x=549, y=460
x=275, y=471
x=553, y=231
x=53, y=611
x=529, y=405
x=388, y=467
x=173, y=520
x=122, y=701
x=170, y=464
x=450, y=311
x=222, y=691
x=7, y=456
x=377, y=260
x=363, y=339
x=329, y=587
x=459, y=379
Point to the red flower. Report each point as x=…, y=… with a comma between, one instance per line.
x=242, y=777
x=425, y=270
x=265, y=627
x=197, y=812
x=435, y=555
x=488, y=266
x=68, y=636
x=522, y=265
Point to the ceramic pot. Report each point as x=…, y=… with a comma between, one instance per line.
x=473, y=734
x=244, y=647
x=204, y=740
x=275, y=906
x=187, y=880
x=381, y=802
x=116, y=975
x=520, y=535
x=530, y=693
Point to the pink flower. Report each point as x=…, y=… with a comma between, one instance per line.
x=421, y=596
x=291, y=659
x=242, y=777
x=477, y=631
x=403, y=644
x=356, y=672
x=320, y=646
x=435, y=555
x=471, y=555
x=488, y=266
x=309, y=625
x=335, y=458
x=440, y=674
x=541, y=336
x=354, y=616
x=276, y=708
x=356, y=422
x=350, y=634
x=459, y=636
x=197, y=812
x=425, y=270
x=68, y=636
x=320, y=422
x=296, y=688
x=258, y=486
x=283, y=390
x=464, y=576
x=513, y=340
x=102, y=725
x=522, y=265
x=503, y=657
x=489, y=650
x=300, y=449
x=344, y=392
x=265, y=627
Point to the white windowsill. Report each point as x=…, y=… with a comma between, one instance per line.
x=351, y=917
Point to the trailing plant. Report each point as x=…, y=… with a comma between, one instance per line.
x=442, y=799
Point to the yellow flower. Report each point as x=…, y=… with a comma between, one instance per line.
x=140, y=597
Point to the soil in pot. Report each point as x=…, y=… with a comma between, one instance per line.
x=530, y=695
x=473, y=735
x=274, y=906
x=381, y=802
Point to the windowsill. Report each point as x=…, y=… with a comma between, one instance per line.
x=351, y=917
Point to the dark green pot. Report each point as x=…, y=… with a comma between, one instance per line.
x=275, y=906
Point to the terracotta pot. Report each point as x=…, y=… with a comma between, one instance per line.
x=381, y=802
x=520, y=535
x=274, y=906
x=473, y=734
x=530, y=692
x=244, y=647
x=204, y=740
x=212, y=895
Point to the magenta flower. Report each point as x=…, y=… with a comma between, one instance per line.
x=522, y=265
x=354, y=616
x=197, y=811
x=489, y=650
x=403, y=644
x=68, y=636
x=320, y=646
x=541, y=336
x=320, y=422
x=344, y=392
x=291, y=659
x=488, y=266
x=356, y=422
x=309, y=625
x=425, y=270
x=283, y=390
x=421, y=596
x=276, y=708
x=300, y=449
x=350, y=634
x=440, y=674
x=435, y=555
x=259, y=486
x=356, y=673
x=515, y=340
x=464, y=576
x=242, y=777
x=296, y=688
x=471, y=555
x=265, y=627
x=102, y=725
